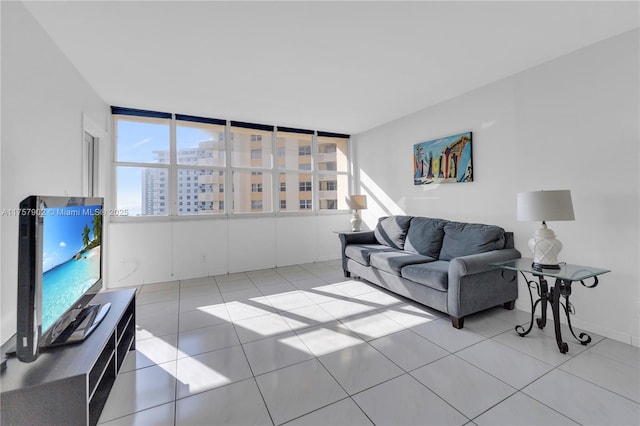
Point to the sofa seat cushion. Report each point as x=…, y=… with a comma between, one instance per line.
x=361, y=253
x=433, y=274
x=425, y=236
x=394, y=261
x=463, y=239
x=392, y=231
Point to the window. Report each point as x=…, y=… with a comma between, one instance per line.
x=293, y=197
x=250, y=191
x=333, y=179
x=201, y=160
x=331, y=166
x=200, y=144
x=251, y=147
x=328, y=185
x=166, y=164
x=251, y=160
x=143, y=139
x=304, y=150
x=305, y=186
x=207, y=191
x=296, y=148
x=142, y=163
x=305, y=204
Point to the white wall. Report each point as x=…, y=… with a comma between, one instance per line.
x=2, y=332
x=43, y=101
x=148, y=252
x=572, y=123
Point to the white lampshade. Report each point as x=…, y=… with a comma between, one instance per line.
x=545, y=206
x=358, y=202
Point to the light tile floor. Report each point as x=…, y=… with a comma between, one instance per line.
x=302, y=345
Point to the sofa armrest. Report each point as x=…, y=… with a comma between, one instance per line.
x=346, y=238
x=478, y=263
x=363, y=237
x=475, y=285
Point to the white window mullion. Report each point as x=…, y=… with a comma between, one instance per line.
x=315, y=185
x=275, y=174
x=228, y=175
x=173, y=171
x=353, y=179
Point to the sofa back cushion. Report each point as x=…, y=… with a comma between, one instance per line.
x=425, y=236
x=392, y=231
x=462, y=239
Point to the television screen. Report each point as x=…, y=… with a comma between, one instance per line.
x=71, y=241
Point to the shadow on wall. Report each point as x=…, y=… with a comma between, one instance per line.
x=382, y=204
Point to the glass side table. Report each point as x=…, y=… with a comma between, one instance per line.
x=564, y=277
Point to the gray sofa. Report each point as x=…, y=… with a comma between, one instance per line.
x=438, y=263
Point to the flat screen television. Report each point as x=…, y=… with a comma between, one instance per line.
x=59, y=271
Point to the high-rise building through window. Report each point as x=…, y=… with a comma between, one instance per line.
x=169, y=164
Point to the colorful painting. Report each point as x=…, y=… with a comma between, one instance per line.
x=444, y=160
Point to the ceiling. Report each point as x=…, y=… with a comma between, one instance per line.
x=334, y=66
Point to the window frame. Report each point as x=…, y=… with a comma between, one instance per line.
x=337, y=174
x=227, y=171
x=194, y=169
x=141, y=117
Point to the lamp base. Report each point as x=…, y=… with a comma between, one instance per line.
x=541, y=266
x=545, y=248
x=356, y=221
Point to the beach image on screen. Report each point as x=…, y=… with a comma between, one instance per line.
x=70, y=258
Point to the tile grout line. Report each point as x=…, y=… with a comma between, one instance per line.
x=246, y=358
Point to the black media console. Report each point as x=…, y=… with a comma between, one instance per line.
x=69, y=385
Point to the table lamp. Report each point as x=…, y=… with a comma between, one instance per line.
x=545, y=206
x=357, y=203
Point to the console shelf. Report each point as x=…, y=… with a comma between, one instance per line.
x=69, y=385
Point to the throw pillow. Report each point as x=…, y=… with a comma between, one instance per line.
x=425, y=236
x=462, y=239
x=392, y=231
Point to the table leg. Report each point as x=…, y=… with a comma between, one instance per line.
x=565, y=290
x=520, y=329
x=555, y=307
x=544, y=297
x=562, y=288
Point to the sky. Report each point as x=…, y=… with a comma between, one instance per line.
x=136, y=143
x=62, y=233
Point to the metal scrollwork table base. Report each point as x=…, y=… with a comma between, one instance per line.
x=564, y=277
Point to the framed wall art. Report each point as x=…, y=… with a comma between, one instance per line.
x=444, y=160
